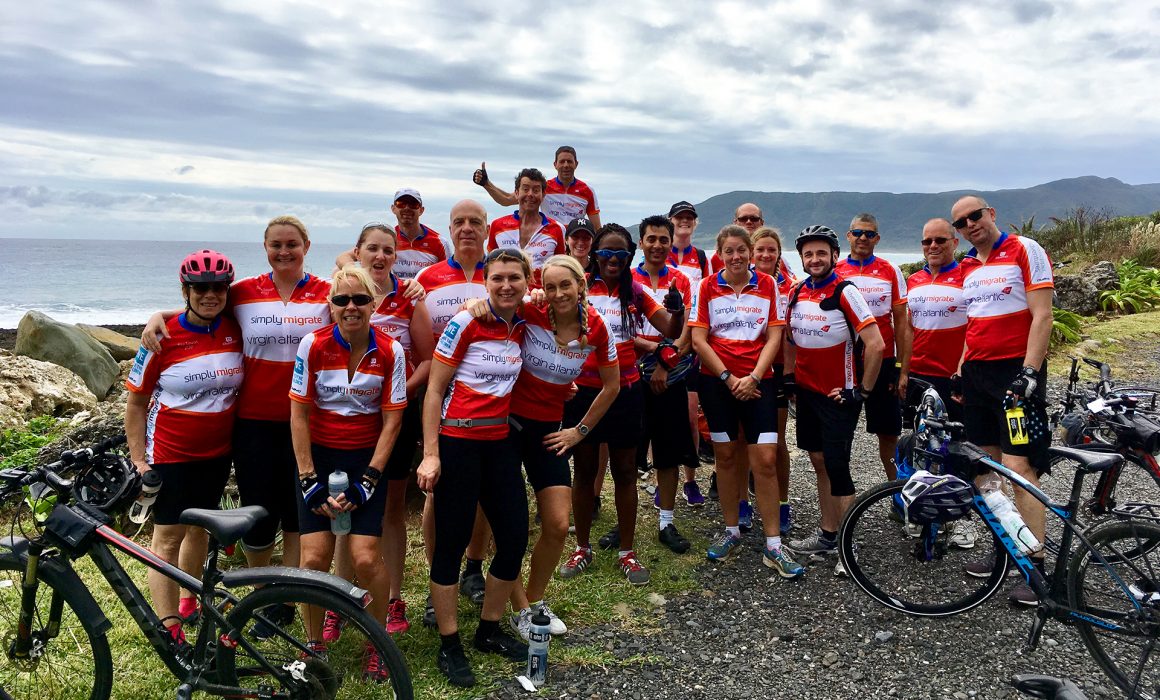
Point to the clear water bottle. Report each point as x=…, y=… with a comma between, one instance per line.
x=539, y=635
x=337, y=483
x=1011, y=521
x=150, y=486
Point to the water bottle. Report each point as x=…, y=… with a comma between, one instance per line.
x=1012, y=522
x=539, y=635
x=337, y=482
x=1017, y=425
x=150, y=485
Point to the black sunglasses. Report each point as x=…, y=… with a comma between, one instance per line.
x=860, y=232
x=358, y=299
x=974, y=216
x=750, y=219
x=205, y=287
x=939, y=240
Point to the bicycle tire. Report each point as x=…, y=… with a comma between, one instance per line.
x=1094, y=590
x=75, y=664
x=235, y=665
x=885, y=562
x=1131, y=481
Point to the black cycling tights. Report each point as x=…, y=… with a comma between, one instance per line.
x=484, y=473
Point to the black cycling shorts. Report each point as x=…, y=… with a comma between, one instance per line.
x=189, y=485
x=725, y=414
x=883, y=408
x=621, y=425
x=666, y=427
x=782, y=397
x=267, y=475
x=826, y=426
x=542, y=466
x=367, y=519
x=401, y=462
x=984, y=389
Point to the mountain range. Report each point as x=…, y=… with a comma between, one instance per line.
x=901, y=216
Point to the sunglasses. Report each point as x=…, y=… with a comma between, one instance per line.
x=505, y=255
x=619, y=255
x=407, y=204
x=940, y=240
x=358, y=299
x=974, y=216
x=750, y=219
x=860, y=232
x=205, y=287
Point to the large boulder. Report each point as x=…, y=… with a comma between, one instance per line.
x=121, y=347
x=1103, y=276
x=42, y=338
x=1077, y=294
x=31, y=388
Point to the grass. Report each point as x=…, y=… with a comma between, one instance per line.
x=18, y=448
x=1113, y=341
x=600, y=596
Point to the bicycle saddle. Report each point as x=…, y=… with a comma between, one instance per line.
x=226, y=526
x=1047, y=687
x=1089, y=461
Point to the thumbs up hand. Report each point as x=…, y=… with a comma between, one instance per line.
x=673, y=301
x=480, y=175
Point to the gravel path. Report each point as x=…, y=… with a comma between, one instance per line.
x=748, y=634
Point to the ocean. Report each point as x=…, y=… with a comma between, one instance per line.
x=123, y=282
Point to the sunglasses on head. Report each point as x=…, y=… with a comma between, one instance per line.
x=938, y=240
x=974, y=216
x=749, y=219
x=377, y=225
x=505, y=255
x=860, y=232
x=358, y=299
x=205, y=287
x=620, y=255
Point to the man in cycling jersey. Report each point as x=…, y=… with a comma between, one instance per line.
x=418, y=246
x=565, y=197
x=1007, y=288
x=528, y=228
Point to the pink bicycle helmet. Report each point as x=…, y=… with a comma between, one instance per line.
x=206, y=266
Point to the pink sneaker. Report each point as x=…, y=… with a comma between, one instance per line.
x=332, y=626
x=397, y=622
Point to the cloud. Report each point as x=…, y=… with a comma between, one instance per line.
x=184, y=170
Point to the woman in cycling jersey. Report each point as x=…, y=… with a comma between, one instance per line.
x=737, y=331
x=468, y=460
x=621, y=302
x=767, y=258
x=179, y=417
x=348, y=393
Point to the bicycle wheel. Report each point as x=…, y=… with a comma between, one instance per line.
x=74, y=662
x=1130, y=656
x=298, y=672
x=923, y=572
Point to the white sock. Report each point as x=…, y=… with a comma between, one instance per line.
x=772, y=542
x=666, y=519
x=735, y=530
x=624, y=553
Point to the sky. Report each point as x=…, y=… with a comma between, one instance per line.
x=202, y=119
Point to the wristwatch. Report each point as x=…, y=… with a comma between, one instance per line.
x=725, y=375
x=583, y=429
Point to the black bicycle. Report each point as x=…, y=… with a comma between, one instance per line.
x=251, y=640
x=1105, y=582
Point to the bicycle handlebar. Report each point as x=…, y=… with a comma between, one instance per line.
x=50, y=474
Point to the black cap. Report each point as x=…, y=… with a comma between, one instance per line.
x=680, y=207
x=580, y=224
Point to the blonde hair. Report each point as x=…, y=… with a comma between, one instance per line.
x=287, y=220
x=573, y=266
x=355, y=272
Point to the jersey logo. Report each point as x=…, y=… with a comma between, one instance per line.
x=826, y=329
x=374, y=362
x=1002, y=254
x=1006, y=290
x=952, y=309
x=882, y=298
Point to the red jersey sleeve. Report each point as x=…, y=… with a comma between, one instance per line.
x=599, y=337
x=146, y=369
x=395, y=396
x=897, y=287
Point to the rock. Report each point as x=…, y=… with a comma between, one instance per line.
x=42, y=338
x=1077, y=294
x=121, y=347
x=883, y=636
x=1103, y=276
x=31, y=388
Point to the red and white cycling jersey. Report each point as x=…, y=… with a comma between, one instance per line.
x=549, y=370
x=608, y=305
x=543, y=244
x=823, y=345
x=882, y=287
x=448, y=287
x=565, y=203
x=738, y=322
x=487, y=359
x=348, y=411
x=938, y=320
x=415, y=254
x=668, y=275
x=995, y=293
x=193, y=383
x=688, y=261
x=271, y=331
x=785, y=285
x=393, y=316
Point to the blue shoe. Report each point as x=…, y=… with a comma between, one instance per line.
x=745, y=516
x=785, y=515
x=693, y=495
x=776, y=559
x=657, y=499
x=725, y=545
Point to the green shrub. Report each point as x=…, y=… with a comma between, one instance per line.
x=1139, y=289
x=18, y=448
x=1066, y=327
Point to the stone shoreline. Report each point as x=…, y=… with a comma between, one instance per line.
x=8, y=335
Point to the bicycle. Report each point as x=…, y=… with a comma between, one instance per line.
x=54, y=633
x=1108, y=587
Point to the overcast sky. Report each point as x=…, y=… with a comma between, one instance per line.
x=202, y=119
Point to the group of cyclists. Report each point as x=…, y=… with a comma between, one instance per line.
x=532, y=341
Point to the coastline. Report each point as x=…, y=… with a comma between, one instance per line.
x=8, y=335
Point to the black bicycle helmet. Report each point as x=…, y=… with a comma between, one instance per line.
x=936, y=498
x=109, y=483
x=817, y=232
